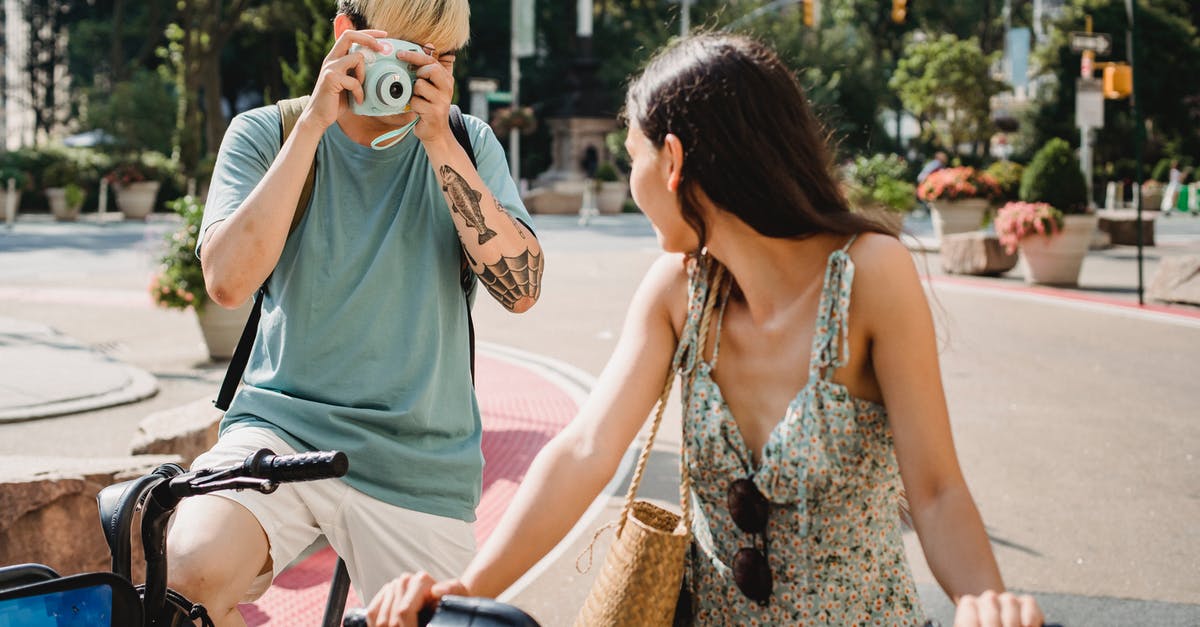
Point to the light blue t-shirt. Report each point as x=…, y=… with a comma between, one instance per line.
x=363, y=342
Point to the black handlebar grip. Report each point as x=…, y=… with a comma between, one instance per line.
x=296, y=467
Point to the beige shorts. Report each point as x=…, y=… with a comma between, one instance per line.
x=379, y=541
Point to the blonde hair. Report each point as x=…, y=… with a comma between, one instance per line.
x=444, y=23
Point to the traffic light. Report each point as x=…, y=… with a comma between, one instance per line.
x=809, y=10
x=899, y=11
x=1118, y=80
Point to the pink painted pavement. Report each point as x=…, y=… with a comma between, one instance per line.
x=521, y=409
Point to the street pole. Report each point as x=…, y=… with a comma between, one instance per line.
x=514, y=72
x=1139, y=133
x=1087, y=66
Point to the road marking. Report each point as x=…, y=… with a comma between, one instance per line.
x=1178, y=316
x=75, y=296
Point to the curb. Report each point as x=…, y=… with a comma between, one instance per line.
x=142, y=385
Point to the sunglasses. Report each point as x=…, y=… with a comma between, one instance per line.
x=749, y=509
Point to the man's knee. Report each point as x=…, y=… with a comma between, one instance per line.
x=215, y=550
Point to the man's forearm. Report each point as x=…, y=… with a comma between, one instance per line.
x=500, y=250
x=240, y=252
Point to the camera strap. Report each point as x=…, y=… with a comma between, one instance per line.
x=289, y=114
x=399, y=134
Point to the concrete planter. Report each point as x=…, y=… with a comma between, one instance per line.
x=58, y=205
x=222, y=328
x=612, y=196
x=136, y=200
x=957, y=216
x=1057, y=259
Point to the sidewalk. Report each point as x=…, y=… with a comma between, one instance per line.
x=48, y=373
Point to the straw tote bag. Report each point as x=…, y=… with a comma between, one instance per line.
x=640, y=581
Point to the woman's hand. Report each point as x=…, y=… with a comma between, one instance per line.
x=341, y=71
x=399, y=601
x=997, y=610
x=432, y=92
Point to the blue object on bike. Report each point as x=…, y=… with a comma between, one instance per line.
x=87, y=600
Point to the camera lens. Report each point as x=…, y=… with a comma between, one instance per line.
x=396, y=90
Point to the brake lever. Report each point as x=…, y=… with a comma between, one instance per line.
x=208, y=484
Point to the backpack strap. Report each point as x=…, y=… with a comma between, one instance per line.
x=289, y=114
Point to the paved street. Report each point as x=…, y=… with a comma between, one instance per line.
x=1074, y=413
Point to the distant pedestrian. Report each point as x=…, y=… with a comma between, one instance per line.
x=1174, y=182
x=938, y=162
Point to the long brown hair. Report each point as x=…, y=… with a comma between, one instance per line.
x=750, y=140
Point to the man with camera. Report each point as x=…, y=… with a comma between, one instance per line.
x=363, y=341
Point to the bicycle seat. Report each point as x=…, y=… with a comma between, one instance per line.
x=116, y=504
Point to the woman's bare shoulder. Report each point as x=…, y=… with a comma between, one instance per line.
x=665, y=287
x=884, y=270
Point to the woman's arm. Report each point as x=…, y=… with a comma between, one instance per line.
x=891, y=303
x=569, y=472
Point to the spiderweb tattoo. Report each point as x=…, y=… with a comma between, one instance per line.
x=514, y=278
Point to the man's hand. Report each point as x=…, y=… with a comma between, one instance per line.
x=399, y=601
x=341, y=71
x=432, y=91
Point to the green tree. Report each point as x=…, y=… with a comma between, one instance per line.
x=312, y=44
x=1169, y=105
x=947, y=83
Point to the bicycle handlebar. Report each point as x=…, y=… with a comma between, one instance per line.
x=262, y=471
x=297, y=467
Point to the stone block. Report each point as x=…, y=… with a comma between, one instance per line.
x=48, y=508
x=975, y=253
x=1177, y=280
x=184, y=431
x=1121, y=226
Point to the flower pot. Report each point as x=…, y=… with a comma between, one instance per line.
x=612, y=196
x=136, y=200
x=957, y=216
x=1056, y=259
x=222, y=328
x=892, y=221
x=58, y=205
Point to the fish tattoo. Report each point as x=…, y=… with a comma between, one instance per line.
x=465, y=202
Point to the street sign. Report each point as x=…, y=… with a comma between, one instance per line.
x=1089, y=103
x=1100, y=43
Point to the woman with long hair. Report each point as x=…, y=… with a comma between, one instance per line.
x=817, y=389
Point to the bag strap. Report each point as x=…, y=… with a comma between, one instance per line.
x=685, y=481
x=289, y=114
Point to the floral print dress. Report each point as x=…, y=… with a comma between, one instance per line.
x=829, y=471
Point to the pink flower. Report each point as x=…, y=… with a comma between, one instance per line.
x=1017, y=220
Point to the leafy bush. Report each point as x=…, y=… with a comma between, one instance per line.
x=607, y=172
x=880, y=180
x=1008, y=177
x=179, y=282
x=74, y=195
x=1054, y=177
